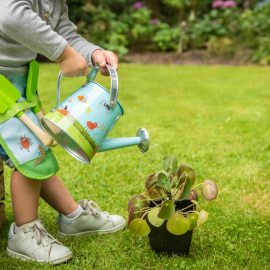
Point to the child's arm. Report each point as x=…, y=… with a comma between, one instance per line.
x=21, y=24
x=91, y=53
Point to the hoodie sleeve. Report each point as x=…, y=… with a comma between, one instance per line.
x=21, y=23
x=68, y=30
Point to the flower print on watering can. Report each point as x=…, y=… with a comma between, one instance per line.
x=82, y=122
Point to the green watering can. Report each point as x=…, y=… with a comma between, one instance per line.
x=82, y=122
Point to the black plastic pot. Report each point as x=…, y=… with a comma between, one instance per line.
x=161, y=240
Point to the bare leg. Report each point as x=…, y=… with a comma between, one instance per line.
x=57, y=196
x=25, y=194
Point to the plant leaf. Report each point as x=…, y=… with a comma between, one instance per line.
x=170, y=163
x=138, y=201
x=193, y=195
x=197, y=205
x=185, y=171
x=178, y=225
x=149, y=179
x=145, y=194
x=167, y=210
x=153, y=193
x=209, y=190
x=164, y=182
x=186, y=191
x=152, y=183
x=203, y=216
x=192, y=219
x=153, y=218
x=139, y=227
x=131, y=214
x=179, y=193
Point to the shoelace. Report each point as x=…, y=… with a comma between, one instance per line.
x=39, y=233
x=96, y=211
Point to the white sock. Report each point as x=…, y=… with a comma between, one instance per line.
x=16, y=229
x=75, y=213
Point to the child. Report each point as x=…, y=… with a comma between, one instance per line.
x=28, y=27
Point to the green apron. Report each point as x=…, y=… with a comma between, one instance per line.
x=28, y=154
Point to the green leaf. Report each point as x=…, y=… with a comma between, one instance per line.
x=197, y=205
x=138, y=201
x=178, y=225
x=131, y=214
x=192, y=219
x=153, y=183
x=164, y=182
x=209, y=190
x=203, y=216
x=186, y=191
x=166, y=210
x=139, y=227
x=170, y=163
x=153, y=218
x=185, y=171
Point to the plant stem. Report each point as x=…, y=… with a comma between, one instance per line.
x=191, y=211
x=144, y=214
x=197, y=185
x=147, y=210
x=185, y=207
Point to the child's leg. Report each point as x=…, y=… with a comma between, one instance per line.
x=31, y=241
x=57, y=196
x=25, y=194
x=93, y=220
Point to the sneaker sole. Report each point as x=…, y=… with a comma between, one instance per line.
x=119, y=228
x=26, y=258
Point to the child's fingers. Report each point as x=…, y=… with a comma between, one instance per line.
x=99, y=58
x=113, y=60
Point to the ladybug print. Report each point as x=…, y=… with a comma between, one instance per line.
x=25, y=143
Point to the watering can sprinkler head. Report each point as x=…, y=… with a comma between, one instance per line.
x=142, y=140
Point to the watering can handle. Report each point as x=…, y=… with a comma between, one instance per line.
x=91, y=77
x=114, y=82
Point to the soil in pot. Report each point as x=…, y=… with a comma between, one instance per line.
x=161, y=240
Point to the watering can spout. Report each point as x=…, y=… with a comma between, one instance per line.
x=142, y=139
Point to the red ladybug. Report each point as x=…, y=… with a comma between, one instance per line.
x=91, y=125
x=25, y=143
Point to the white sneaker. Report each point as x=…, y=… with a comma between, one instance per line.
x=32, y=242
x=91, y=220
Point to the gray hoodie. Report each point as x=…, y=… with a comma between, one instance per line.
x=28, y=27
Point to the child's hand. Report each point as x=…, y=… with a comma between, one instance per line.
x=72, y=63
x=102, y=57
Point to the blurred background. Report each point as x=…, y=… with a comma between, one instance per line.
x=199, y=30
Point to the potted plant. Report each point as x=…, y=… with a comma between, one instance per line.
x=168, y=210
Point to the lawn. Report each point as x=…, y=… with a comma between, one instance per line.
x=214, y=119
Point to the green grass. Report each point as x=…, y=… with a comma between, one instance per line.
x=214, y=119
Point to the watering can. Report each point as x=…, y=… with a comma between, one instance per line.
x=82, y=122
